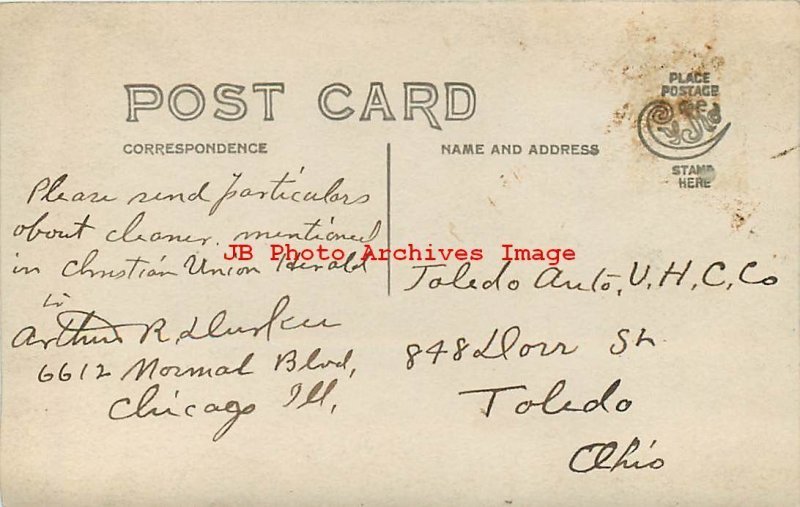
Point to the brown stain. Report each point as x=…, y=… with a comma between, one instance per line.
x=646, y=65
x=649, y=56
x=645, y=76
x=741, y=211
x=712, y=65
x=620, y=115
x=738, y=221
x=704, y=60
x=646, y=54
x=642, y=60
x=522, y=45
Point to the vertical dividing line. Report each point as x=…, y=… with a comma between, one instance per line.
x=389, y=218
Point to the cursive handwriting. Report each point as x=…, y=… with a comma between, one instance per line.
x=145, y=406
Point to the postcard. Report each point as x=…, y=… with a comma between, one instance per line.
x=400, y=253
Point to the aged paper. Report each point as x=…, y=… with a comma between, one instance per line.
x=399, y=254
